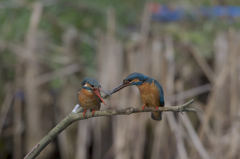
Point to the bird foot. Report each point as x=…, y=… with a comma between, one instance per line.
x=157, y=107
x=93, y=112
x=143, y=107
x=84, y=113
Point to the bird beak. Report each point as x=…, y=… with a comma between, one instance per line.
x=102, y=90
x=96, y=91
x=118, y=88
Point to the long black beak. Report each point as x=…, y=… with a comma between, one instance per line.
x=118, y=88
x=102, y=90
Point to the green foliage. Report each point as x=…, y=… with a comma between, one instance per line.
x=14, y=23
x=90, y=15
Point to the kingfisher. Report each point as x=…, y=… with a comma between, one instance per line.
x=89, y=95
x=150, y=90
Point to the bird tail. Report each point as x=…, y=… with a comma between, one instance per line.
x=156, y=116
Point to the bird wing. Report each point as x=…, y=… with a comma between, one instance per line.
x=161, y=94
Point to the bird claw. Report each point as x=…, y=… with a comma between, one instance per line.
x=84, y=113
x=93, y=112
x=143, y=107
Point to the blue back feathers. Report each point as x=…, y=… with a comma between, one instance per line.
x=91, y=81
x=160, y=92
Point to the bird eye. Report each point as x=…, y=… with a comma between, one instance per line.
x=92, y=85
x=127, y=81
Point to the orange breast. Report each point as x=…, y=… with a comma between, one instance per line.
x=88, y=100
x=149, y=94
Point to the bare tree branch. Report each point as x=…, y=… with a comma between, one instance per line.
x=73, y=117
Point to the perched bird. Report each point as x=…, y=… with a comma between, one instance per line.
x=150, y=90
x=89, y=95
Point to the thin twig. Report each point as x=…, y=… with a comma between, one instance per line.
x=73, y=117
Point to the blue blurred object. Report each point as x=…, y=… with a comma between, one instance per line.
x=166, y=13
x=19, y=94
x=220, y=11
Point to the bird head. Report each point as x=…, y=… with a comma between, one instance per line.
x=93, y=85
x=132, y=79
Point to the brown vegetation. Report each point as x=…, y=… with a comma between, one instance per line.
x=178, y=65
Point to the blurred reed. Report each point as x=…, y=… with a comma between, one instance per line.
x=211, y=133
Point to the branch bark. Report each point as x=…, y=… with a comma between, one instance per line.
x=73, y=117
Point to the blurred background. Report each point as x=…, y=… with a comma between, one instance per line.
x=191, y=47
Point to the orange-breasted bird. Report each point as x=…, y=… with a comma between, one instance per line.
x=89, y=95
x=150, y=90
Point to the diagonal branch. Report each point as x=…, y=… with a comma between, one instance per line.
x=73, y=117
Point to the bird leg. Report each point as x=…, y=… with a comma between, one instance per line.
x=93, y=112
x=84, y=112
x=143, y=107
x=157, y=107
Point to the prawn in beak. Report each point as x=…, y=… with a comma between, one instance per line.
x=97, y=92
